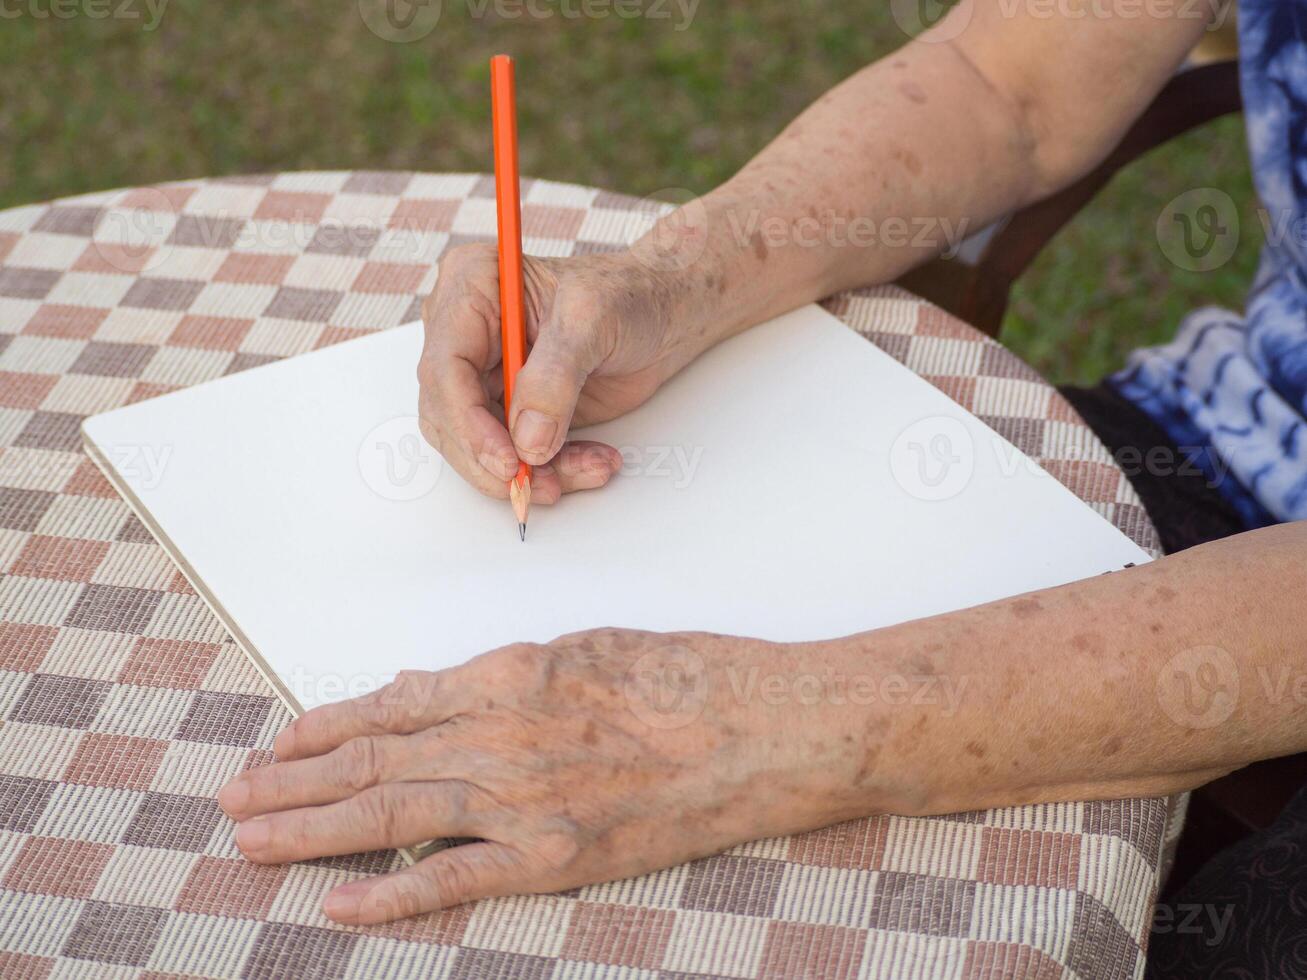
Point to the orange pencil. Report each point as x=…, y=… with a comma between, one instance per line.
x=512, y=303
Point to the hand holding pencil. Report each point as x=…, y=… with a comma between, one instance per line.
x=567, y=342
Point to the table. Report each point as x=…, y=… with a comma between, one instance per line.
x=125, y=706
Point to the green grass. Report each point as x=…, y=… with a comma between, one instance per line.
x=629, y=105
x=1104, y=287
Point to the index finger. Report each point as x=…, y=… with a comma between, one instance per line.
x=461, y=343
x=414, y=700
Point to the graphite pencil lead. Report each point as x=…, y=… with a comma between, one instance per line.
x=519, y=492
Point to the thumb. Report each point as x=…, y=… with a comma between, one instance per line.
x=547, y=387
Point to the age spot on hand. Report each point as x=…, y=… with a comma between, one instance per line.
x=1025, y=608
x=913, y=92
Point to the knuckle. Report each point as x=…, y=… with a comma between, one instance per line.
x=520, y=663
x=307, y=723
x=430, y=306
x=389, y=706
x=309, y=729
x=458, y=799
x=478, y=259
x=414, y=681
x=271, y=786
x=401, y=701
x=486, y=484
x=430, y=432
x=579, y=300
x=577, y=638
x=359, y=763
x=542, y=665
x=380, y=810
x=396, y=704
x=579, y=348
x=455, y=262
x=289, y=835
x=428, y=371
x=463, y=258
x=558, y=850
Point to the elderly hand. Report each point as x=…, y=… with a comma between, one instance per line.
x=605, y=331
x=597, y=756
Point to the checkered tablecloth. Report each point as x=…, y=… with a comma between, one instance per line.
x=125, y=706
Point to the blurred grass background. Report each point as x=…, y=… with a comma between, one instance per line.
x=632, y=105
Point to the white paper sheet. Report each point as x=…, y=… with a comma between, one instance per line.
x=794, y=483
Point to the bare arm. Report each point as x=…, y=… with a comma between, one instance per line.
x=558, y=758
x=938, y=139
x=894, y=165
x=1143, y=682
x=611, y=752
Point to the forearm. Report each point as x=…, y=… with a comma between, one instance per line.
x=887, y=170
x=910, y=155
x=1143, y=682
x=895, y=165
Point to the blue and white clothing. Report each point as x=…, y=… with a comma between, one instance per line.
x=1235, y=388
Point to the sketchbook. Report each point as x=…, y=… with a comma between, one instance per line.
x=794, y=483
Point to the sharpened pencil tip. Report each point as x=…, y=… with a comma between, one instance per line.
x=521, y=529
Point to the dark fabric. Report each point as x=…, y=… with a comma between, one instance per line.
x=1236, y=383
x=1244, y=915
x=1183, y=504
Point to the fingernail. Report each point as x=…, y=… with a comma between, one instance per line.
x=344, y=902
x=590, y=478
x=501, y=464
x=602, y=461
x=534, y=431
x=233, y=797
x=253, y=834
x=284, y=742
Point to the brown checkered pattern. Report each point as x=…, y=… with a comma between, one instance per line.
x=124, y=705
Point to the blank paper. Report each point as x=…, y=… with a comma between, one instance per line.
x=795, y=483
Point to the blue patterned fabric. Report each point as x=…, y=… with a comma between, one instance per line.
x=1231, y=389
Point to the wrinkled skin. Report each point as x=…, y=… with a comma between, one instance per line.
x=598, y=756
x=602, y=341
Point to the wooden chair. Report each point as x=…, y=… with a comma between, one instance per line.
x=975, y=286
